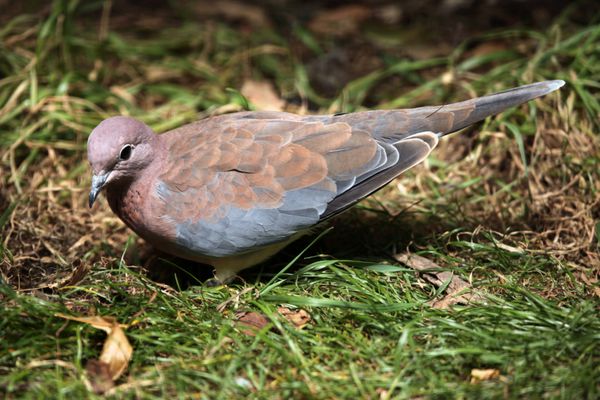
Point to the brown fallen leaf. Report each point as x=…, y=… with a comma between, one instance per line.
x=416, y=262
x=104, y=323
x=262, y=95
x=458, y=290
x=116, y=352
x=99, y=376
x=478, y=375
x=297, y=317
x=251, y=322
x=340, y=21
x=591, y=282
x=233, y=10
x=488, y=47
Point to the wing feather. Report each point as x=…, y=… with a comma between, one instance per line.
x=410, y=152
x=253, y=182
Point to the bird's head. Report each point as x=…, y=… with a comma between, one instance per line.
x=118, y=149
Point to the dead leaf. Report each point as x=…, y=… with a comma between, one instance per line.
x=590, y=281
x=121, y=92
x=251, y=322
x=458, y=290
x=340, y=21
x=79, y=273
x=451, y=299
x=99, y=376
x=233, y=10
x=103, y=323
x=116, y=351
x=297, y=317
x=416, y=262
x=262, y=95
x=478, y=375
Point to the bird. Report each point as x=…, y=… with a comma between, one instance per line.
x=232, y=190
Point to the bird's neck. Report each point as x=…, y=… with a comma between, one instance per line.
x=127, y=198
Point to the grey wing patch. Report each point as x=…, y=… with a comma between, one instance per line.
x=408, y=153
x=239, y=231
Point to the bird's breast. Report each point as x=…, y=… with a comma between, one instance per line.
x=128, y=204
x=138, y=207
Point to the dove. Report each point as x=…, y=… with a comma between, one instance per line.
x=232, y=190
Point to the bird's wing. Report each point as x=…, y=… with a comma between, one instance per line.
x=405, y=154
x=240, y=181
x=246, y=180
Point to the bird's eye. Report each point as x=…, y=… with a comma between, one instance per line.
x=125, y=152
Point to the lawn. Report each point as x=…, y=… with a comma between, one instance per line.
x=474, y=275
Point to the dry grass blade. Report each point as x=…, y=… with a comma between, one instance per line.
x=262, y=95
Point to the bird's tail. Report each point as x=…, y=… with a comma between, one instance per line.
x=394, y=125
x=483, y=107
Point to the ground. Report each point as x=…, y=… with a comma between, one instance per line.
x=507, y=211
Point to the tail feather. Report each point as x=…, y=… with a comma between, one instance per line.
x=496, y=103
x=394, y=125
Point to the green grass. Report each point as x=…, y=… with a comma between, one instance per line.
x=370, y=331
x=512, y=210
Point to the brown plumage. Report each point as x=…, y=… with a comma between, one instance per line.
x=232, y=190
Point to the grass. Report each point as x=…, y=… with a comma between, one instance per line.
x=511, y=206
x=371, y=332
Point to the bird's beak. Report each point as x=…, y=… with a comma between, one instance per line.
x=98, y=182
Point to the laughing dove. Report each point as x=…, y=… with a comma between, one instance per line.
x=232, y=190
